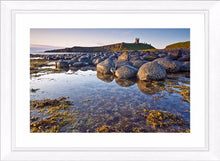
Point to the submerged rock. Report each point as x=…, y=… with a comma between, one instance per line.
x=106, y=67
x=170, y=65
x=151, y=71
x=125, y=72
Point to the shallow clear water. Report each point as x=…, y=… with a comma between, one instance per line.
x=102, y=98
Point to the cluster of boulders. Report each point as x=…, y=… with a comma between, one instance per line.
x=146, y=66
x=125, y=65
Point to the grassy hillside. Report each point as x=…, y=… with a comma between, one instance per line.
x=179, y=45
x=132, y=46
x=114, y=47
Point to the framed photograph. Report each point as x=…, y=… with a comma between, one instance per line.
x=110, y=80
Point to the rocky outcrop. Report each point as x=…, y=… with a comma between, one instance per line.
x=151, y=71
x=126, y=72
x=106, y=67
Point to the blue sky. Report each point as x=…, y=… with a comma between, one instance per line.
x=159, y=38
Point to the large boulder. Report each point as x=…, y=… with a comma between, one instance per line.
x=126, y=72
x=62, y=64
x=124, y=56
x=149, y=56
x=185, y=66
x=170, y=65
x=106, y=67
x=151, y=71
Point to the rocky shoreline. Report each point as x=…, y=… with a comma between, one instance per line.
x=147, y=66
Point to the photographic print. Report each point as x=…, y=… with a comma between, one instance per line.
x=110, y=80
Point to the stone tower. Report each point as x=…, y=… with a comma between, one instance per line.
x=137, y=41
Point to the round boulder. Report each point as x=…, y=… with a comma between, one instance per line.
x=151, y=71
x=106, y=67
x=126, y=72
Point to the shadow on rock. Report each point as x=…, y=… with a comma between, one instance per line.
x=105, y=77
x=125, y=82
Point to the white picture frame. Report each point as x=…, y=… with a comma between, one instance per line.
x=211, y=12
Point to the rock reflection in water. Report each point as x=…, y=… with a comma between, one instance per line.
x=149, y=88
x=105, y=77
x=125, y=82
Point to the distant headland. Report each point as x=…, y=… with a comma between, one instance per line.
x=113, y=47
